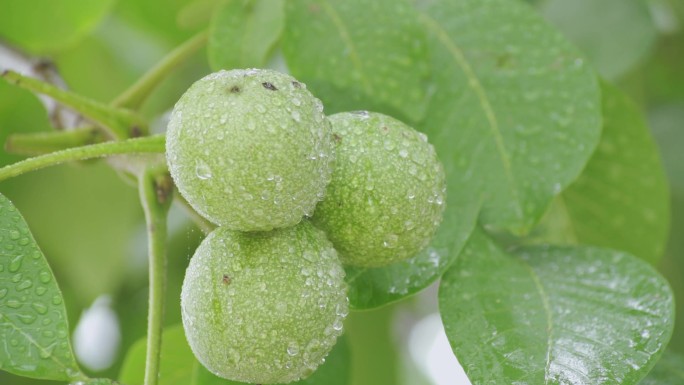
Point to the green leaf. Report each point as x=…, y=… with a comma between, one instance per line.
x=179, y=365
x=33, y=322
x=515, y=113
x=374, y=287
x=96, y=381
x=554, y=315
x=177, y=361
x=621, y=200
x=614, y=34
x=243, y=32
x=356, y=54
x=668, y=371
x=45, y=26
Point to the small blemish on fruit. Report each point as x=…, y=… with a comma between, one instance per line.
x=136, y=132
x=297, y=84
x=337, y=138
x=234, y=90
x=226, y=279
x=269, y=86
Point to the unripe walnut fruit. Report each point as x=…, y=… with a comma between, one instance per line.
x=250, y=149
x=387, y=193
x=264, y=307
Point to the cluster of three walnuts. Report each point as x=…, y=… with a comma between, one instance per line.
x=264, y=297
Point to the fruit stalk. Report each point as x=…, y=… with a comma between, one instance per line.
x=156, y=192
x=134, y=96
x=149, y=144
x=118, y=123
x=38, y=143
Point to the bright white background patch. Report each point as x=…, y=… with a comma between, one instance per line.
x=97, y=336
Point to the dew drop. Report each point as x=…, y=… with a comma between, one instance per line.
x=14, y=235
x=337, y=325
x=45, y=276
x=292, y=349
x=24, y=285
x=56, y=300
x=202, y=170
x=390, y=241
x=39, y=307
x=13, y=303
x=15, y=264
x=309, y=256
x=403, y=153
x=26, y=318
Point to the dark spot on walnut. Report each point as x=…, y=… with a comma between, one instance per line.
x=226, y=279
x=337, y=138
x=136, y=132
x=297, y=84
x=269, y=86
x=384, y=128
x=235, y=90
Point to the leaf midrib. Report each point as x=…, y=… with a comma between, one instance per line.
x=30, y=339
x=549, y=319
x=476, y=86
x=346, y=38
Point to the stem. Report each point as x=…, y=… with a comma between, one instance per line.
x=118, y=123
x=156, y=193
x=46, y=142
x=134, y=96
x=149, y=144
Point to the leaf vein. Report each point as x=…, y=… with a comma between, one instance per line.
x=476, y=86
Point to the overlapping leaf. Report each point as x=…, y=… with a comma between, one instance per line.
x=515, y=113
x=359, y=55
x=554, y=315
x=374, y=287
x=243, y=33
x=668, y=371
x=614, y=34
x=33, y=325
x=42, y=26
x=621, y=200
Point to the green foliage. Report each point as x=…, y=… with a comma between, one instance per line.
x=43, y=26
x=33, y=323
x=668, y=371
x=243, y=33
x=614, y=34
x=540, y=313
x=386, y=197
x=514, y=120
x=553, y=183
x=359, y=55
x=631, y=212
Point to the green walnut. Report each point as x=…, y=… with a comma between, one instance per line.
x=387, y=193
x=250, y=149
x=264, y=307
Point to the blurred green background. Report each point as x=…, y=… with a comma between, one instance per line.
x=90, y=225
